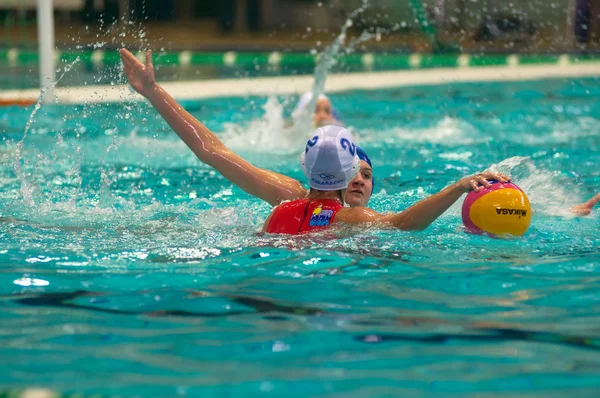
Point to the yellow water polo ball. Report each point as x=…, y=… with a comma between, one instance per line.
x=500, y=209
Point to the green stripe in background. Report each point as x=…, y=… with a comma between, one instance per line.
x=28, y=56
x=207, y=59
x=583, y=58
x=392, y=61
x=165, y=58
x=297, y=59
x=249, y=59
x=111, y=58
x=538, y=59
x=350, y=59
x=438, y=61
x=83, y=56
x=487, y=60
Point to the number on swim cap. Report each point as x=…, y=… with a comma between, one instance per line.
x=311, y=143
x=349, y=146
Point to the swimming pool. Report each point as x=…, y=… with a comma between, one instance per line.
x=129, y=268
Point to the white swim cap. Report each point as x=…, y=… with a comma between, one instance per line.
x=330, y=160
x=301, y=107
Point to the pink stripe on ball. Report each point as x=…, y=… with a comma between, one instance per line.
x=473, y=196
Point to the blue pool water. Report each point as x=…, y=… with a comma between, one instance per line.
x=129, y=268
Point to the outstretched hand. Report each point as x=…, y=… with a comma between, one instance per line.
x=140, y=76
x=585, y=209
x=477, y=181
x=581, y=210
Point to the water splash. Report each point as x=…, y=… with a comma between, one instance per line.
x=27, y=187
x=267, y=134
x=117, y=34
x=326, y=61
x=549, y=192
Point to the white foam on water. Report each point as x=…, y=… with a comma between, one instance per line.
x=270, y=133
x=549, y=192
x=448, y=131
x=561, y=132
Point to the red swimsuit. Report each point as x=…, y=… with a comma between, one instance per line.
x=303, y=215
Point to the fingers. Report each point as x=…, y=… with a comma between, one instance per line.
x=128, y=58
x=474, y=185
x=502, y=177
x=127, y=68
x=482, y=181
x=495, y=176
x=149, y=59
x=580, y=210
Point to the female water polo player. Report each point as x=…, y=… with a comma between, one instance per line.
x=324, y=113
x=267, y=185
x=330, y=162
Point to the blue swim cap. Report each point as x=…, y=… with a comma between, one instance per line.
x=336, y=114
x=362, y=155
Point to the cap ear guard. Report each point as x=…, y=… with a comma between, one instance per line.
x=303, y=163
x=355, y=169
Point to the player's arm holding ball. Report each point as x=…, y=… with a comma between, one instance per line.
x=420, y=215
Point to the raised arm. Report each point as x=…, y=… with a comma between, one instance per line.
x=420, y=215
x=264, y=184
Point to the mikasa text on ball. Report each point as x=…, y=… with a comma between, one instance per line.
x=500, y=209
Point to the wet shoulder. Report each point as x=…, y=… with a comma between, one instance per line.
x=354, y=215
x=294, y=204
